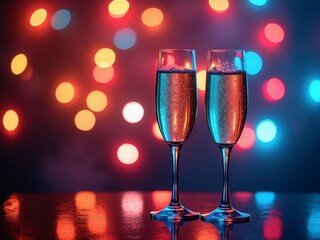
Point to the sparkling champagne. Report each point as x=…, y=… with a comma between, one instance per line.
x=226, y=105
x=176, y=104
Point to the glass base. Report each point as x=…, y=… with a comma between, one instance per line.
x=176, y=213
x=229, y=215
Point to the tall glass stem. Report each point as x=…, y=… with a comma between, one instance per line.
x=225, y=151
x=175, y=151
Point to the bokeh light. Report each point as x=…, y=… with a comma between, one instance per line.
x=97, y=101
x=258, y=2
x=85, y=200
x=65, y=228
x=247, y=139
x=105, y=57
x=11, y=208
x=127, y=153
x=133, y=112
x=10, y=120
x=38, y=17
x=201, y=80
x=152, y=17
x=65, y=92
x=27, y=73
x=156, y=131
x=266, y=130
x=121, y=55
x=253, y=62
x=238, y=61
x=132, y=207
x=313, y=223
x=274, y=32
x=314, y=90
x=212, y=233
x=273, y=89
x=160, y=198
x=243, y=197
x=60, y=19
x=103, y=75
x=19, y=64
x=272, y=226
x=85, y=120
x=125, y=38
x=219, y=6
x=265, y=199
x=118, y=8
x=97, y=221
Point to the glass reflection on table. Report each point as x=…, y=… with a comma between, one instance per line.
x=173, y=226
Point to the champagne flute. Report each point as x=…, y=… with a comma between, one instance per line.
x=226, y=110
x=176, y=110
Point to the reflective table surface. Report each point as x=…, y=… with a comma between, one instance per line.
x=125, y=215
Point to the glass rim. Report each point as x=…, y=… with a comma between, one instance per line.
x=176, y=49
x=221, y=50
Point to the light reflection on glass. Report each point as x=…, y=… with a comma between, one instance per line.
x=65, y=228
x=97, y=221
x=265, y=200
x=12, y=208
x=160, y=199
x=272, y=226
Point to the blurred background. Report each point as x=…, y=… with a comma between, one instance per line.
x=78, y=83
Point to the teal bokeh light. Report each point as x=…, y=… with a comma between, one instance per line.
x=266, y=130
x=265, y=199
x=314, y=90
x=60, y=19
x=258, y=2
x=313, y=223
x=253, y=62
x=125, y=38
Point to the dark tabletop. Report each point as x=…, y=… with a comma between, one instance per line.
x=125, y=215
